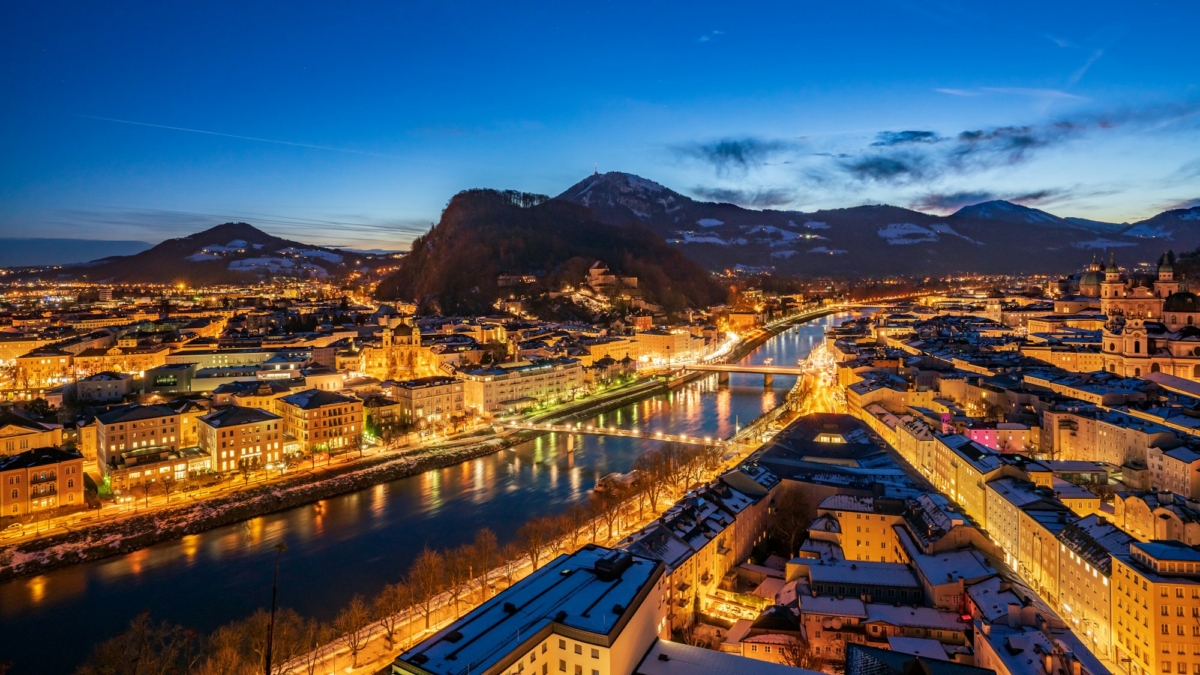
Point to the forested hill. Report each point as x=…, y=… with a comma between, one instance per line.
x=483, y=234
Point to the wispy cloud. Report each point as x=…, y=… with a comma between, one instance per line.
x=155, y=224
x=735, y=154
x=275, y=141
x=1035, y=93
x=709, y=36
x=946, y=202
x=759, y=198
x=1061, y=42
x=957, y=92
x=1078, y=74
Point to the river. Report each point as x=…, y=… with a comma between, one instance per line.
x=361, y=541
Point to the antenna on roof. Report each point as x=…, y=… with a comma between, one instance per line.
x=596, y=169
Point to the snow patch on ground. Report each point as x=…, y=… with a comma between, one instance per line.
x=278, y=266
x=1193, y=214
x=816, y=225
x=693, y=238
x=710, y=222
x=215, y=251
x=306, y=253
x=898, y=234
x=825, y=250
x=1145, y=231
x=942, y=228
x=1102, y=243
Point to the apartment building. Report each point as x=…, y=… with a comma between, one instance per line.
x=322, y=420
x=1156, y=608
x=432, y=399
x=41, y=479
x=237, y=437
x=134, y=427
x=517, y=387
x=19, y=433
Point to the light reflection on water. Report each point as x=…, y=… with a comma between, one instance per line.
x=358, y=542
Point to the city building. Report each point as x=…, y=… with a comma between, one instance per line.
x=134, y=427
x=322, y=420
x=40, y=479
x=241, y=438
x=514, y=387
x=432, y=399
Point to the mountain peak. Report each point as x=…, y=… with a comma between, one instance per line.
x=233, y=231
x=999, y=209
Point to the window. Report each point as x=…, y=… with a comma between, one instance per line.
x=595, y=653
x=578, y=649
x=562, y=665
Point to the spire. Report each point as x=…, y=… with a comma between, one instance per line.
x=1112, y=258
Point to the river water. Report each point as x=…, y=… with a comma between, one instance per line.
x=359, y=542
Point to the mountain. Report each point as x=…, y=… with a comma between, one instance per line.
x=29, y=252
x=229, y=253
x=1007, y=212
x=992, y=237
x=483, y=234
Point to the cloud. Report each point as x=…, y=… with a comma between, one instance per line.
x=156, y=225
x=900, y=167
x=890, y=138
x=1078, y=74
x=1034, y=92
x=760, y=198
x=957, y=92
x=951, y=201
x=737, y=154
x=1061, y=42
x=709, y=36
x=1185, y=204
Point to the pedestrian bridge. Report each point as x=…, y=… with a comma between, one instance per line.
x=593, y=430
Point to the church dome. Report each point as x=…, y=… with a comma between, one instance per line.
x=1090, y=278
x=1182, y=301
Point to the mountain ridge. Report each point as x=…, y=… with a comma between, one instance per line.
x=991, y=237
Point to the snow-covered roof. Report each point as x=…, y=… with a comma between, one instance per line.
x=572, y=591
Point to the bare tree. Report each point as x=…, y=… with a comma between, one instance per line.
x=533, y=536
x=168, y=483
x=608, y=503
x=354, y=623
x=511, y=555
x=388, y=605
x=426, y=580
x=651, y=477
x=146, y=647
x=315, y=642
x=790, y=518
x=580, y=517
x=484, y=556
x=458, y=573
x=797, y=654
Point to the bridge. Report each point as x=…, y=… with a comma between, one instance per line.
x=594, y=430
x=724, y=369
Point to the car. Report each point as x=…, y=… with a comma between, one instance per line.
x=13, y=527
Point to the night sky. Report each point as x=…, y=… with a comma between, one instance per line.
x=353, y=123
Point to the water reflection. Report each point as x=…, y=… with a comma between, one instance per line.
x=359, y=542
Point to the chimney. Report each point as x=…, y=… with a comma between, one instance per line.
x=1014, y=616
x=1076, y=666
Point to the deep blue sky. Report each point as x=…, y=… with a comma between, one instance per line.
x=354, y=123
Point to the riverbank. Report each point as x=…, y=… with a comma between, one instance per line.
x=111, y=538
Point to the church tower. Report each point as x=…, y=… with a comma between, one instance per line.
x=1165, y=284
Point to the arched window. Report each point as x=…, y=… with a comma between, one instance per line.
x=1112, y=346
x=1189, y=320
x=1137, y=346
x=1174, y=318
x=1112, y=368
x=1196, y=372
x=14, y=492
x=1154, y=368
x=1137, y=372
